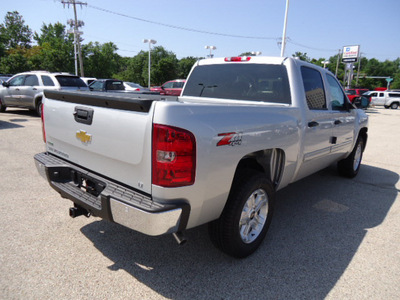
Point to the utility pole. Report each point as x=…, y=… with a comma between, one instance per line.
x=77, y=40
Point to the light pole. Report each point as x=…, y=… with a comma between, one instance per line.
x=211, y=48
x=149, y=41
x=325, y=62
x=284, y=30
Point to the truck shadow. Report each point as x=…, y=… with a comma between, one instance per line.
x=9, y=125
x=318, y=226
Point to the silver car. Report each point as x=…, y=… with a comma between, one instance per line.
x=26, y=89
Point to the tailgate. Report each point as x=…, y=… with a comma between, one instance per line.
x=104, y=133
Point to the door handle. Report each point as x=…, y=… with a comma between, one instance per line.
x=337, y=122
x=83, y=115
x=313, y=124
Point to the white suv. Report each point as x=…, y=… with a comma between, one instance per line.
x=26, y=89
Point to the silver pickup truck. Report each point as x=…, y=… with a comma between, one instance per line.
x=243, y=128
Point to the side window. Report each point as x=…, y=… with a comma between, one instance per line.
x=374, y=94
x=169, y=85
x=314, y=88
x=96, y=85
x=31, y=80
x=381, y=94
x=47, y=81
x=17, y=81
x=338, y=98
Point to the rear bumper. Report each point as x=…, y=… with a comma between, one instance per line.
x=110, y=200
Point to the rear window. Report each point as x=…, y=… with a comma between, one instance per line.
x=70, y=81
x=394, y=95
x=253, y=82
x=47, y=81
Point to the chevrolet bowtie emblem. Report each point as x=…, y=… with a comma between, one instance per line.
x=83, y=136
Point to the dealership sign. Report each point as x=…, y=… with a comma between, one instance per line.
x=350, y=54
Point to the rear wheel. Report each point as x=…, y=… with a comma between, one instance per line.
x=2, y=107
x=246, y=217
x=39, y=108
x=394, y=105
x=350, y=166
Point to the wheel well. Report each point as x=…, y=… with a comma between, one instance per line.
x=269, y=161
x=364, y=135
x=37, y=100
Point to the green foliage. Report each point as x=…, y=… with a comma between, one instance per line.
x=101, y=60
x=302, y=56
x=13, y=31
x=56, y=50
x=185, y=65
x=15, y=62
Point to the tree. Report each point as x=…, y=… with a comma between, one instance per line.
x=14, y=33
x=164, y=67
x=56, y=52
x=14, y=62
x=101, y=60
x=185, y=65
x=302, y=56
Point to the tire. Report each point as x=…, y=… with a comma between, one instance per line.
x=246, y=217
x=394, y=105
x=39, y=108
x=386, y=106
x=2, y=107
x=350, y=166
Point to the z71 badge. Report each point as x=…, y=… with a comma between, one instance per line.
x=230, y=138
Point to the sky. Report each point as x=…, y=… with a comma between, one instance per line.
x=316, y=27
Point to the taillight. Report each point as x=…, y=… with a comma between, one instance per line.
x=42, y=117
x=174, y=156
x=238, y=58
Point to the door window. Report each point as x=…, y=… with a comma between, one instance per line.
x=338, y=98
x=314, y=88
x=17, y=81
x=169, y=85
x=31, y=80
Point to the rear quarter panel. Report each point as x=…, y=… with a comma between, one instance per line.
x=257, y=127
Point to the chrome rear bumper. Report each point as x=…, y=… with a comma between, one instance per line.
x=110, y=200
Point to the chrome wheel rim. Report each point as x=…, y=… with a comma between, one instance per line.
x=254, y=216
x=357, y=157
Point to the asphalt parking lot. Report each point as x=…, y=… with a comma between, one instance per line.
x=330, y=238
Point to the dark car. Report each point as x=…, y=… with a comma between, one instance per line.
x=107, y=85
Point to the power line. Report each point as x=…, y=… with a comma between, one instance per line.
x=180, y=27
x=289, y=40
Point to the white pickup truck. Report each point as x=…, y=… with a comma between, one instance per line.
x=243, y=128
x=386, y=99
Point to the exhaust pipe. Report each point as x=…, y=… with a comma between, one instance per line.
x=77, y=211
x=180, y=238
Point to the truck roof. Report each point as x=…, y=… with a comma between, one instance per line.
x=244, y=59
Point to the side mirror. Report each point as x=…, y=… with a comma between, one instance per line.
x=5, y=84
x=162, y=87
x=361, y=102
